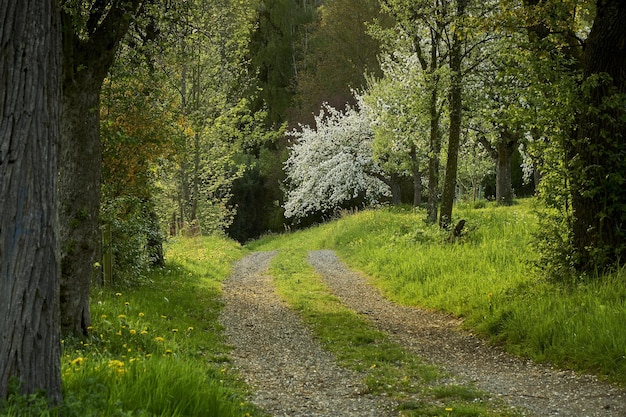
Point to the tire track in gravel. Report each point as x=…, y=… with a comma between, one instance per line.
x=278, y=356
x=437, y=338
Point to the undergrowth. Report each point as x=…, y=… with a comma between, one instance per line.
x=155, y=349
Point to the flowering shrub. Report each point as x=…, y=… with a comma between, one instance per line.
x=332, y=164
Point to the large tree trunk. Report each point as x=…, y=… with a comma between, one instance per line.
x=456, y=90
x=30, y=95
x=88, y=53
x=597, y=165
x=79, y=192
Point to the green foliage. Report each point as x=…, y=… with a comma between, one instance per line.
x=277, y=43
x=487, y=277
x=339, y=56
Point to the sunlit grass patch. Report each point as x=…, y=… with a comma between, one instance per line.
x=157, y=349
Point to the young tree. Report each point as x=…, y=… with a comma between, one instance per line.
x=92, y=32
x=398, y=105
x=456, y=55
x=30, y=93
x=423, y=24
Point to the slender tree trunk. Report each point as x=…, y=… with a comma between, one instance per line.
x=154, y=241
x=596, y=155
x=417, y=178
x=396, y=191
x=434, y=159
x=30, y=96
x=505, y=149
x=435, y=134
x=195, y=195
x=456, y=90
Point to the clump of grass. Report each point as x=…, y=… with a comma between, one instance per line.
x=156, y=349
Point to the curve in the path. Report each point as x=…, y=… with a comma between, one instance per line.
x=436, y=338
x=290, y=373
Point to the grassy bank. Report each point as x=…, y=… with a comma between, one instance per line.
x=155, y=349
x=486, y=277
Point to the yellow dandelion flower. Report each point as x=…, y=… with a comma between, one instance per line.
x=133, y=331
x=168, y=351
x=189, y=328
x=141, y=314
x=118, y=294
x=144, y=332
x=449, y=410
x=104, y=316
x=77, y=361
x=89, y=328
x=126, y=303
x=121, y=316
x=119, y=333
x=114, y=363
x=175, y=330
x=163, y=317
x=159, y=339
x=148, y=355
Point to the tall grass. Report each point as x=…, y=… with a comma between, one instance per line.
x=155, y=349
x=486, y=277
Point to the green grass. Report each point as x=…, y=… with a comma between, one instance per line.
x=155, y=349
x=385, y=366
x=486, y=277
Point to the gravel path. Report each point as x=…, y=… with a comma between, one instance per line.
x=280, y=359
x=293, y=376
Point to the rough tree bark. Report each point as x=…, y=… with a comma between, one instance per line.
x=87, y=56
x=30, y=94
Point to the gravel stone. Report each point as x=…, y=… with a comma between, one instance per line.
x=291, y=375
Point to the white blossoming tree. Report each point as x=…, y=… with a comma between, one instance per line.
x=331, y=166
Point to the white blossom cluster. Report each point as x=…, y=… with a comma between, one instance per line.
x=332, y=164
